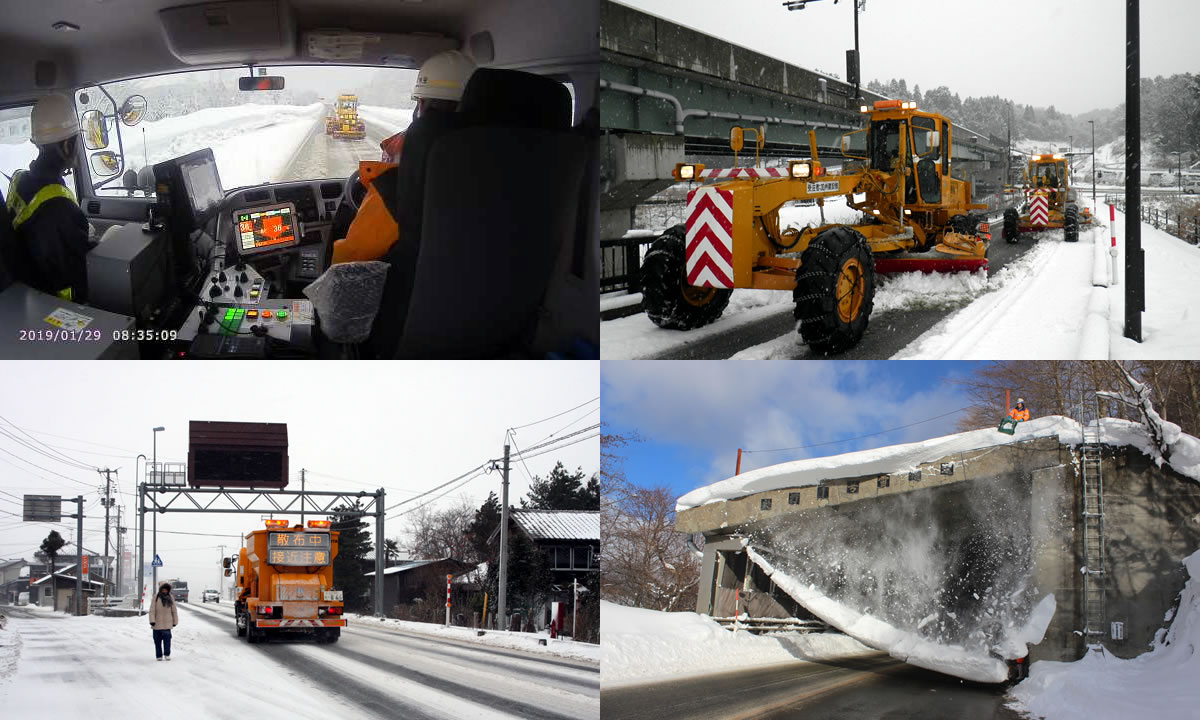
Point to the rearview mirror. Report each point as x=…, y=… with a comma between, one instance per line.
x=105, y=164
x=226, y=562
x=932, y=140
x=133, y=110
x=95, y=130
x=263, y=82
x=228, y=572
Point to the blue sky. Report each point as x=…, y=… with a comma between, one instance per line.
x=694, y=415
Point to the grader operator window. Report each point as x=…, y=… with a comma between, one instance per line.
x=884, y=144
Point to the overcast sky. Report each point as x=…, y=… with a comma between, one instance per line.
x=694, y=415
x=404, y=426
x=1037, y=52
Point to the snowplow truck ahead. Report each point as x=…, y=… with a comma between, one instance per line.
x=345, y=121
x=916, y=217
x=285, y=583
x=1049, y=201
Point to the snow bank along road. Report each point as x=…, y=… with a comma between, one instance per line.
x=865, y=687
x=105, y=668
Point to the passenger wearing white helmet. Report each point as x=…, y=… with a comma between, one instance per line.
x=437, y=92
x=51, y=244
x=1020, y=413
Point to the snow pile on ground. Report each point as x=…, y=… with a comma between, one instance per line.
x=910, y=647
x=390, y=120
x=648, y=645
x=529, y=642
x=1185, y=457
x=1159, y=684
x=252, y=144
x=10, y=648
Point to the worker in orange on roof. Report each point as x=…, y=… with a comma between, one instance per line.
x=1020, y=413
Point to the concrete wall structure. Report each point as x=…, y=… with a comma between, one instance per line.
x=1003, y=517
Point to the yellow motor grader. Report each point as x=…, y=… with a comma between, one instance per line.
x=1049, y=201
x=345, y=121
x=916, y=217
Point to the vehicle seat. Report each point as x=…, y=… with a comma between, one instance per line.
x=8, y=239
x=501, y=201
x=402, y=256
x=927, y=177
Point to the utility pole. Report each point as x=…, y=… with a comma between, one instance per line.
x=154, y=482
x=141, y=525
x=1135, y=261
x=221, y=573
x=107, y=505
x=301, y=497
x=1095, y=210
x=78, y=558
x=501, y=606
x=120, y=548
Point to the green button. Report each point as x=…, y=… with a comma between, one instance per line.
x=282, y=314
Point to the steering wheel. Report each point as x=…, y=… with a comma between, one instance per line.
x=353, y=192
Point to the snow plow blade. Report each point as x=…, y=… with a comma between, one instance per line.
x=924, y=263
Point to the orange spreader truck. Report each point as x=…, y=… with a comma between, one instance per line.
x=285, y=583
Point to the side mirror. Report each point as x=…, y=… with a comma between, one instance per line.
x=133, y=110
x=263, y=82
x=105, y=164
x=95, y=130
x=226, y=563
x=854, y=144
x=228, y=572
x=932, y=140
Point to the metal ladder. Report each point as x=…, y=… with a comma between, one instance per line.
x=1092, y=481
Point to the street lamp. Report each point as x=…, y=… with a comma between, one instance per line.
x=1178, y=168
x=1093, y=124
x=852, y=69
x=154, y=483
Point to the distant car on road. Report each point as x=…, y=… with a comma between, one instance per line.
x=211, y=595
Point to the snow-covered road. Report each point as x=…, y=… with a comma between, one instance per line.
x=105, y=668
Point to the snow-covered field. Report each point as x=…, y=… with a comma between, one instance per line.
x=643, y=646
x=390, y=120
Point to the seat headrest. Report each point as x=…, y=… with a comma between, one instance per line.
x=511, y=98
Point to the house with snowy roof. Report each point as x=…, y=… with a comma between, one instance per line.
x=57, y=591
x=964, y=553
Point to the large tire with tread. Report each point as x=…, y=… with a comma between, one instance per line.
x=835, y=290
x=332, y=635
x=238, y=627
x=1011, y=219
x=253, y=637
x=1071, y=224
x=669, y=301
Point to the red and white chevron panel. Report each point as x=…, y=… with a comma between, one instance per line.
x=710, y=238
x=1039, y=210
x=743, y=172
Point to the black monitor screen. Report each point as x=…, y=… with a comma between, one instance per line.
x=203, y=185
x=266, y=228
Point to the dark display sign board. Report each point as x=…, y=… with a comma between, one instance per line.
x=237, y=455
x=42, y=508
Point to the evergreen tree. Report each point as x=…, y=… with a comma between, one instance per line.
x=353, y=543
x=563, y=490
x=50, y=547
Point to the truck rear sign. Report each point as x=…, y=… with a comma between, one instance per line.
x=298, y=548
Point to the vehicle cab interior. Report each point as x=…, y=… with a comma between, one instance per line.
x=226, y=147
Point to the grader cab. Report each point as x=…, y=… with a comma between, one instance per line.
x=1049, y=201
x=916, y=217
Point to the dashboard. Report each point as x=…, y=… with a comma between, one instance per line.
x=296, y=259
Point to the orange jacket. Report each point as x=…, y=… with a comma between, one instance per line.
x=1019, y=415
x=374, y=229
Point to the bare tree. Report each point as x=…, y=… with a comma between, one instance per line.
x=442, y=533
x=1057, y=387
x=644, y=561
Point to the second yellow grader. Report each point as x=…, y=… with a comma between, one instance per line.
x=916, y=217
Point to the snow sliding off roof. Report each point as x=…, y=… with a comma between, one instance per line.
x=898, y=458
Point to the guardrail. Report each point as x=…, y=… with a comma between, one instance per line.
x=621, y=263
x=1182, y=226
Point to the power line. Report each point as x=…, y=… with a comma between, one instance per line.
x=564, y=412
x=480, y=466
x=439, y=497
x=39, y=467
x=61, y=456
x=558, y=440
x=860, y=437
x=549, y=450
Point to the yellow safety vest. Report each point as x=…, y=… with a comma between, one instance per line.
x=22, y=211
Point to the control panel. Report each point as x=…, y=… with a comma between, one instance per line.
x=238, y=284
x=289, y=321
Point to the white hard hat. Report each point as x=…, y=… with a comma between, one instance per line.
x=1020, y=401
x=444, y=76
x=53, y=120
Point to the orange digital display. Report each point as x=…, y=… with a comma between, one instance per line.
x=262, y=229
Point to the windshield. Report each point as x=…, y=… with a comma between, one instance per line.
x=884, y=140
x=261, y=136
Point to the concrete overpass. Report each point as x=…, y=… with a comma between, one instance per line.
x=959, y=544
x=668, y=92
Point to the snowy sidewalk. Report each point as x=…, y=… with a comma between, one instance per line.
x=1041, y=305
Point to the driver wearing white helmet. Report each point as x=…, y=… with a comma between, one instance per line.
x=51, y=244
x=438, y=89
